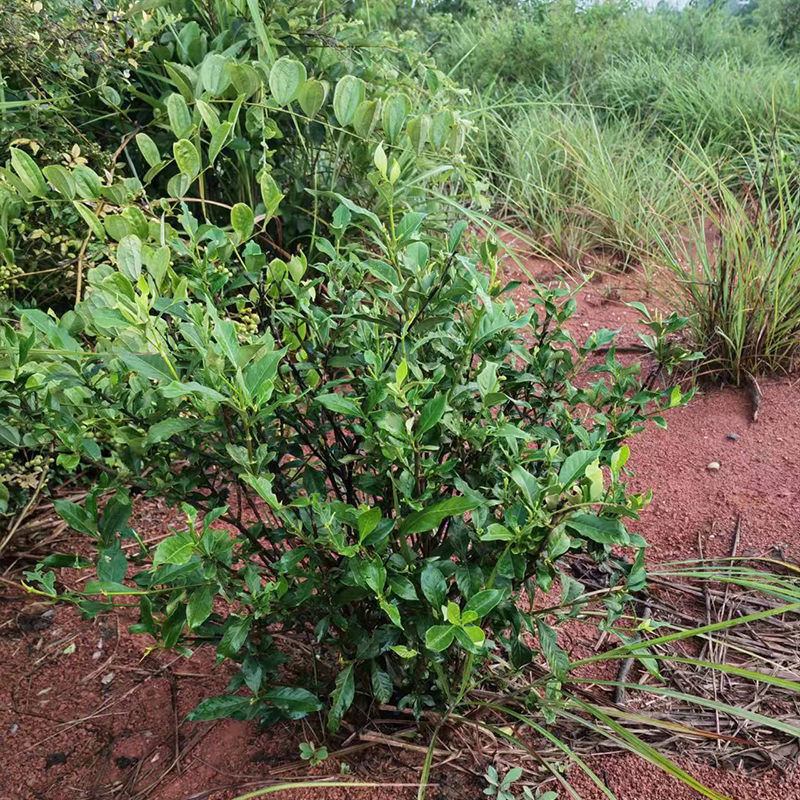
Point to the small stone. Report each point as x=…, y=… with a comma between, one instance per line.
x=713, y=465
x=14, y=728
x=732, y=436
x=107, y=678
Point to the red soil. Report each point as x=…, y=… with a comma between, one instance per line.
x=82, y=716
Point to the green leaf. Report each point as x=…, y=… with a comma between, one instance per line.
x=312, y=96
x=483, y=602
x=87, y=182
x=28, y=172
x=339, y=404
x=374, y=573
x=181, y=75
x=9, y=435
x=260, y=374
x=341, y=697
x=177, y=549
x=215, y=74
x=61, y=180
x=285, y=79
x=441, y=126
x=403, y=588
x=149, y=365
x=575, y=465
x=148, y=149
x=270, y=194
x=347, y=97
x=487, y=381
x=218, y=140
x=618, y=460
x=91, y=219
x=242, y=220
x=209, y=115
x=245, y=79
x=599, y=529
x=76, y=517
x=432, y=412
x=112, y=563
x=220, y=707
x=527, y=483
x=236, y=630
x=395, y=110
x=439, y=637
x=70, y=560
x=129, y=257
x=557, y=659
x=263, y=486
x=382, y=687
x=225, y=336
x=366, y=118
x=391, y=611
x=293, y=701
x=383, y=271
x=163, y=430
x=180, y=118
x=419, y=130
x=498, y=533
x=187, y=158
x=200, y=604
x=404, y=652
x=476, y=635
x=367, y=522
x=431, y=517
x=109, y=588
x=434, y=586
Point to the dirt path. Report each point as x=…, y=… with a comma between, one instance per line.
x=83, y=718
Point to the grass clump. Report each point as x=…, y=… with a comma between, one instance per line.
x=736, y=273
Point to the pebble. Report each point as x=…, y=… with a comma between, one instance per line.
x=713, y=465
x=107, y=678
x=732, y=436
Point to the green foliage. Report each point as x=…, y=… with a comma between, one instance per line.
x=399, y=450
x=502, y=788
x=229, y=103
x=781, y=20
x=277, y=329
x=313, y=754
x=564, y=43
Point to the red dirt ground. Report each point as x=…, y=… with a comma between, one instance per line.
x=83, y=717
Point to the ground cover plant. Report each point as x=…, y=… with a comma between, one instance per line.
x=270, y=311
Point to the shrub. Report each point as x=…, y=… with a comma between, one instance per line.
x=401, y=453
x=212, y=99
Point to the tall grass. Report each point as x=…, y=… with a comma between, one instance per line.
x=580, y=181
x=719, y=102
x=611, y=128
x=737, y=270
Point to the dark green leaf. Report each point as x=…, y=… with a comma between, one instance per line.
x=431, y=517
x=434, y=586
x=599, y=529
